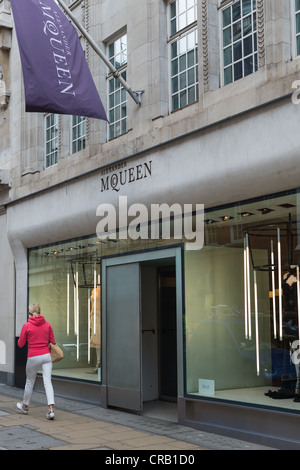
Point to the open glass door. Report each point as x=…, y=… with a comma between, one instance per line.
x=123, y=348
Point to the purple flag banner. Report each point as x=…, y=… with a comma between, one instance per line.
x=56, y=76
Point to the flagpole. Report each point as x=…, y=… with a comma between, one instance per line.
x=136, y=95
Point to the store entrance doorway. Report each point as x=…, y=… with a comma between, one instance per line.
x=143, y=307
x=159, y=332
x=167, y=334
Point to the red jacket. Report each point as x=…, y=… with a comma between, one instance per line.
x=38, y=333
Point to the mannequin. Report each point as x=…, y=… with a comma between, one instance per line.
x=291, y=326
x=291, y=388
x=294, y=346
x=95, y=341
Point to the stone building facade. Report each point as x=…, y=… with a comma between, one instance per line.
x=217, y=126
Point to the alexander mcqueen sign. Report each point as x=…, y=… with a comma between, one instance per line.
x=115, y=176
x=56, y=75
x=54, y=30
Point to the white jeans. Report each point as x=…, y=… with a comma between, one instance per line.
x=32, y=367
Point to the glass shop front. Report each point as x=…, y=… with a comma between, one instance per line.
x=241, y=303
x=65, y=279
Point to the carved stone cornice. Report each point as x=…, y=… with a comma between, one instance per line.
x=5, y=179
x=86, y=21
x=6, y=24
x=261, y=33
x=5, y=36
x=4, y=100
x=5, y=46
x=5, y=13
x=205, y=52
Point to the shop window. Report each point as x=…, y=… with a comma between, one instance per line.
x=243, y=305
x=51, y=139
x=239, y=40
x=117, y=99
x=65, y=279
x=78, y=133
x=184, y=53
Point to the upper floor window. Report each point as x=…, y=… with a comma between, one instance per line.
x=239, y=34
x=117, y=99
x=78, y=133
x=51, y=139
x=297, y=9
x=182, y=14
x=184, y=52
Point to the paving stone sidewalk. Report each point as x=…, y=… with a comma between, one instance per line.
x=80, y=426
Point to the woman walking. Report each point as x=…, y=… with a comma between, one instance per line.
x=38, y=333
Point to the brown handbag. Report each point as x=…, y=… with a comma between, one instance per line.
x=56, y=352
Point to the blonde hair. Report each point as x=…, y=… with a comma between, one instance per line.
x=34, y=309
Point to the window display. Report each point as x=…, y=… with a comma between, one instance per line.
x=65, y=279
x=243, y=305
